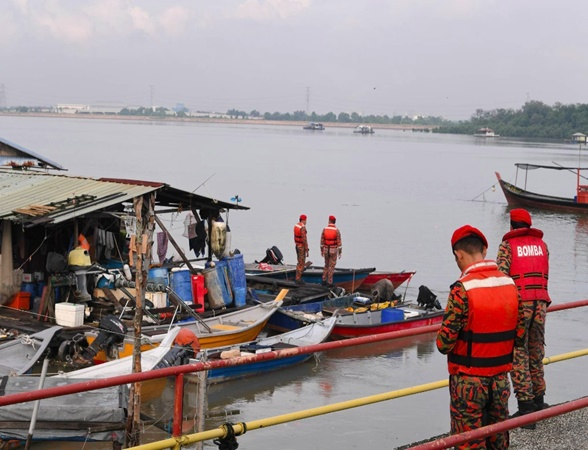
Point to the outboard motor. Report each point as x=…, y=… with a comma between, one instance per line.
x=112, y=332
x=273, y=256
x=185, y=346
x=427, y=299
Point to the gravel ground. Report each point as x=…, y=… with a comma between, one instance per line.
x=565, y=432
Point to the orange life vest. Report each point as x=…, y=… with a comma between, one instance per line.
x=298, y=239
x=529, y=265
x=485, y=345
x=330, y=235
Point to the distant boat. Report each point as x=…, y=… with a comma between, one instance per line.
x=364, y=129
x=519, y=197
x=486, y=132
x=315, y=126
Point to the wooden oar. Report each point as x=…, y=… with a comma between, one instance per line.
x=281, y=295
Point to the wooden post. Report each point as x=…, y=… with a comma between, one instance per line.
x=145, y=213
x=176, y=246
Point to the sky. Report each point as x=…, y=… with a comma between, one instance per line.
x=443, y=58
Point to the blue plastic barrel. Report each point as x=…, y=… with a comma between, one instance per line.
x=237, y=271
x=31, y=288
x=40, y=286
x=181, y=283
x=216, y=287
x=392, y=315
x=222, y=268
x=240, y=296
x=158, y=275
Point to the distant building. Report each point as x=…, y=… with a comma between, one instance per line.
x=579, y=138
x=68, y=108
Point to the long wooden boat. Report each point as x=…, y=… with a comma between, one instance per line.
x=227, y=329
x=520, y=197
x=348, y=279
x=353, y=320
x=314, y=333
x=397, y=278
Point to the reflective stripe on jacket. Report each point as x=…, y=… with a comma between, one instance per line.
x=485, y=345
x=529, y=265
x=330, y=235
x=298, y=238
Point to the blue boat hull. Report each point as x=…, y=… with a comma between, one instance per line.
x=256, y=368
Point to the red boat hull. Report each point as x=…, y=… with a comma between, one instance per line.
x=397, y=278
x=351, y=331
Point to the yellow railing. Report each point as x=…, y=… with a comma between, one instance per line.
x=240, y=428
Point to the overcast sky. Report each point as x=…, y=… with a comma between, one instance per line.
x=429, y=57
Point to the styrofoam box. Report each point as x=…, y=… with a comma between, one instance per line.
x=159, y=299
x=69, y=315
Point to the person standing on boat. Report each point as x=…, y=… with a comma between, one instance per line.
x=482, y=323
x=301, y=243
x=331, y=249
x=523, y=255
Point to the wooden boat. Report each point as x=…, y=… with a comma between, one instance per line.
x=486, y=133
x=364, y=129
x=314, y=126
x=227, y=329
x=354, y=320
x=520, y=197
x=265, y=289
x=311, y=334
x=397, y=278
x=17, y=357
x=348, y=279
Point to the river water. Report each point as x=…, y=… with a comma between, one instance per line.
x=397, y=197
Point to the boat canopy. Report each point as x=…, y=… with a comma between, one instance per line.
x=526, y=166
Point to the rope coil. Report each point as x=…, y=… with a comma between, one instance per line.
x=229, y=441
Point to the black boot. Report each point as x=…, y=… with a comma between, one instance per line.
x=540, y=403
x=526, y=407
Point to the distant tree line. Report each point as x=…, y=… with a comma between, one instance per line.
x=534, y=120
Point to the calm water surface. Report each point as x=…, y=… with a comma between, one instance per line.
x=397, y=197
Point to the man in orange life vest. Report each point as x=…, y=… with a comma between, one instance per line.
x=331, y=249
x=482, y=322
x=301, y=247
x=524, y=256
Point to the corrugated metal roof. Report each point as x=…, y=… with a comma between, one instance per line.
x=69, y=196
x=36, y=198
x=43, y=162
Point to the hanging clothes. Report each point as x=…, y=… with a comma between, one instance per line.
x=162, y=241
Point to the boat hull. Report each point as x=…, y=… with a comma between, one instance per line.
x=344, y=331
x=397, y=278
x=520, y=198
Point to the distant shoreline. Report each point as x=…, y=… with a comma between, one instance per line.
x=212, y=120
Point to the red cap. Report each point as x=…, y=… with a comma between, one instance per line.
x=520, y=215
x=303, y=217
x=465, y=231
x=332, y=218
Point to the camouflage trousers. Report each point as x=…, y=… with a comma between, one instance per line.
x=301, y=256
x=528, y=380
x=330, y=254
x=476, y=402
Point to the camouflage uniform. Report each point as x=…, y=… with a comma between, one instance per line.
x=527, y=373
x=301, y=253
x=475, y=400
x=330, y=253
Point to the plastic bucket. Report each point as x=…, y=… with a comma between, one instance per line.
x=240, y=296
x=392, y=315
x=158, y=275
x=216, y=288
x=237, y=272
x=181, y=283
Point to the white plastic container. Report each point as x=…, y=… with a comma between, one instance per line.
x=69, y=315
